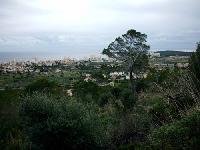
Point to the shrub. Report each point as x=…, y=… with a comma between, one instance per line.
x=11, y=137
x=142, y=84
x=116, y=92
x=160, y=113
x=194, y=66
x=41, y=84
x=127, y=99
x=183, y=134
x=105, y=98
x=62, y=123
x=82, y=89
x=131, y=130
x=195, y=61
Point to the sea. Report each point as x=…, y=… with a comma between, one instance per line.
x=32, y=56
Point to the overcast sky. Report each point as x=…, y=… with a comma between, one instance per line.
x=87, y=26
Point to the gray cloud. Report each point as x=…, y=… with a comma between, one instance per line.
x=64, y=25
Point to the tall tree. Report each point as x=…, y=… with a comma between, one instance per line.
x=131, y=49
x=194, y=62
x=194, y=66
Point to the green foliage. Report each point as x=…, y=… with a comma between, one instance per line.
x=158, y=76
x=183, y=102
x=127, y=99
x=98, y=75
x=41, y=84
x=62, y=123
x=132, y=130
x=130, y=49
x=195, y=61
x=121, y=97
x=173, y=53
x=87, y=91
x=142, y=85
x=160, y=113
x=183, y=134
x=161, y=76
x=11, y=137
x=105, y=98
x=194, y=66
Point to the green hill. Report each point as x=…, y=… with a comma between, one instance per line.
x=173, y=53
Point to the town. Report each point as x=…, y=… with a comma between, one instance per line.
x=93, y=62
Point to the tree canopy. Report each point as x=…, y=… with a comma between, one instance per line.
x=195, y=61
x=130, y=48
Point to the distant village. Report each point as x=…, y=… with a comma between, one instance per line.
x=94, y=62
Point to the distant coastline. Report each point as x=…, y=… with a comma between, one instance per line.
x=23, y=56
x=30, y=56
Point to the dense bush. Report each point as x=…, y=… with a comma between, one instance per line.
x=183, y=134
x=131, y=130
x=98, y=75
x=118, y=95
x=121, y=97
x=127, y=99
x=105, y=98
x=142, y=85
x=160, y=113
x=84, y=90
x=41, y=84
x=11, y=137
x=195, y=61
x=62, y=123
x=194, y=66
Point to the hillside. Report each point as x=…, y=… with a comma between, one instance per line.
x=173, y=53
